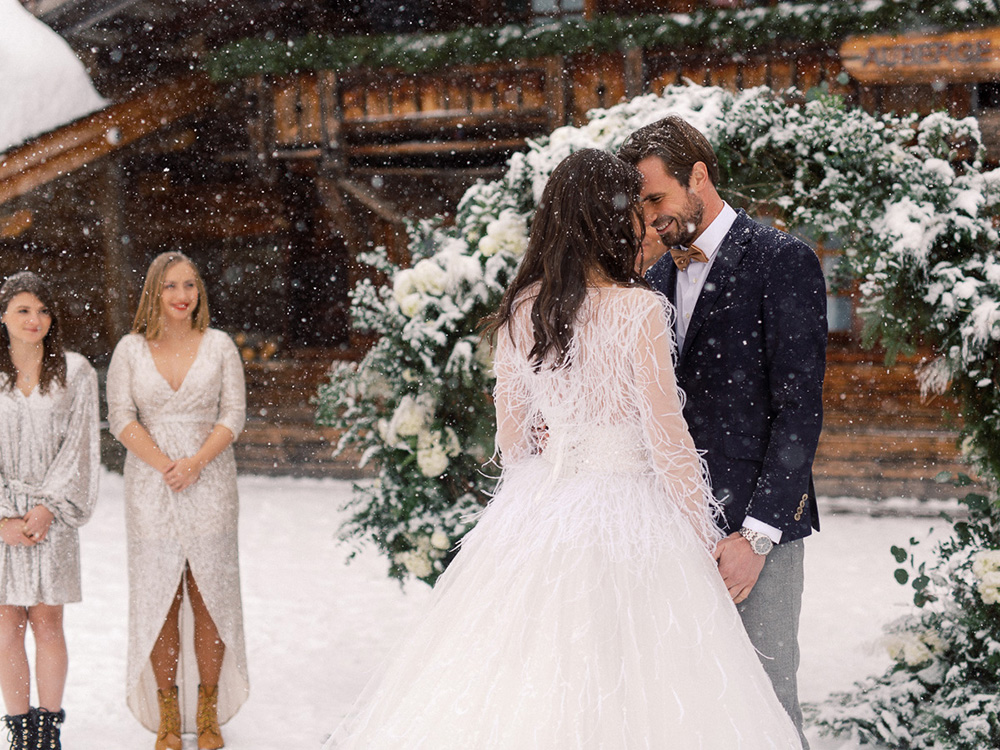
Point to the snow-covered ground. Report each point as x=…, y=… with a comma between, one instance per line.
x=317, y=627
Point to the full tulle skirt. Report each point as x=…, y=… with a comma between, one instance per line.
x=581, y=613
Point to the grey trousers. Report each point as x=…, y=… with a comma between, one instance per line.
x=771, y=617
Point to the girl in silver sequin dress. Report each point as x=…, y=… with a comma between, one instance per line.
x=176, y=401
x=49, y=458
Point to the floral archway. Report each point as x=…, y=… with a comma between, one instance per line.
x=915, y=210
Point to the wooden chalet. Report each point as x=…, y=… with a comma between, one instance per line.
x=274, y=184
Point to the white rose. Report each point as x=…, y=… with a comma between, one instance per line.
x=403, y=285
x=423, y=544
x=419, y=565
x=991, y=578
x=489, y=246
x=428, y=439
x=411, y=415
x=894, y=646
x=934, y=641
x=989, y=594
x=432, y=461
x=985, y=562
x=440, y=540
x=916, y=653
x=429, y=277
x=509, y=232
x=411, y=304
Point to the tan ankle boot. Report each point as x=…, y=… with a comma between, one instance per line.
x=169, y=736
x=209, y=734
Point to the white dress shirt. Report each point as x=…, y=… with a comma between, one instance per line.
x=690, y=282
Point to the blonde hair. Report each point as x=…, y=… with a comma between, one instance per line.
x=149, y=317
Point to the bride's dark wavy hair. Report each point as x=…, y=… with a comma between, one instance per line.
x=588, y=226
x=53, y=357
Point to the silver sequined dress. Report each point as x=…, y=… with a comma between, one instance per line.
x=196, y=526
x=49, y=455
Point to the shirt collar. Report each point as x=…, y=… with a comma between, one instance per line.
x=711, y=239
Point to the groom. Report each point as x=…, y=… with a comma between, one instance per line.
x=751, y=353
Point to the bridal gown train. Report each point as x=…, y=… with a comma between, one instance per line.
x=584, y=611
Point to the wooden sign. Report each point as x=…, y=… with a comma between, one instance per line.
x=960, y=57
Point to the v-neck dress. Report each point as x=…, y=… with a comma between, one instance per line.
x=197, y=526
x=49, y=455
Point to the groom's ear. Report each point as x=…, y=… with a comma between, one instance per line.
x=699, y=177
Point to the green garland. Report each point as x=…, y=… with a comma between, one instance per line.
x=785, y=25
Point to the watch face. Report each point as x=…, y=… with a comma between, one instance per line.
x=762, y=545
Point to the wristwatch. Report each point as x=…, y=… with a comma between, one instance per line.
x=761, y=544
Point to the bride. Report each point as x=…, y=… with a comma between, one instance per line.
x=584, y=611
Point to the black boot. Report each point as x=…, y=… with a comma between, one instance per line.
x=47, y=729
x=21, y=730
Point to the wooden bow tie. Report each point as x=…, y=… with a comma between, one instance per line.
x=684, y=255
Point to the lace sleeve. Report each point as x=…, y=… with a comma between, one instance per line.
x=678, y=464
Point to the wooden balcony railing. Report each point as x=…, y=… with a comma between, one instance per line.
x=486, y=108
x=466, y=109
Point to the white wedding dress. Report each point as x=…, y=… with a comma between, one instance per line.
x=584, y=611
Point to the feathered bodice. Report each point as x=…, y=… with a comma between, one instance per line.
x=613, y=407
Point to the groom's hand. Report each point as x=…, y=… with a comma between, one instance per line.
x=739, y=566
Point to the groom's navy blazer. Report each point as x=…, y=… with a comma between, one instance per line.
x=752, y=368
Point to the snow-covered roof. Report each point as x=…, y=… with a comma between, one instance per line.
x=43, y=84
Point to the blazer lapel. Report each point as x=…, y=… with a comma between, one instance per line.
x=671, y=282
x=726, y=260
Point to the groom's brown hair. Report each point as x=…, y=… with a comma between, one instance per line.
x=678, y=144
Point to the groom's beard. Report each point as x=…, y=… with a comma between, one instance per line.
x=682, y=231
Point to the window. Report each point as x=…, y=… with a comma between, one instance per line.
x=986, y=96
x=548, y=9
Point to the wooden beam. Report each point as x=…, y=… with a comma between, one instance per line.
x=417, y=148
x=445, y=120
x=82, y=142
x=119, y=276
x=15, y=224
x=370, y=200
x=635, y=72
